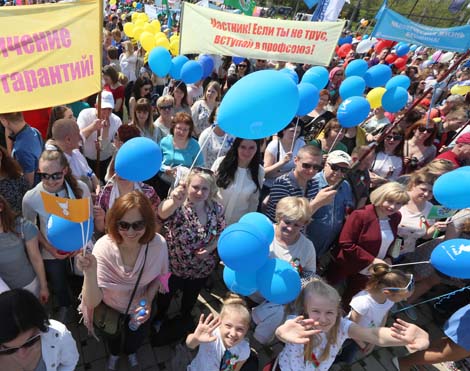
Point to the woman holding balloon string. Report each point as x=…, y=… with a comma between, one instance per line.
x=130, y=249
x=192, y=223
x=291, y=245
x=239, y=178
x=57, y=180
x=419, y=148
x=201, y=109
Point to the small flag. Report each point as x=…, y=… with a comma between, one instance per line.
x=74, y=210
x=381, y=10
x=246, y=6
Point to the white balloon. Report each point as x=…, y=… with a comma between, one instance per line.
x=447, y=57
x=364, y=46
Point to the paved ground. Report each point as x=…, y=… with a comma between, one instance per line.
x=93, y=355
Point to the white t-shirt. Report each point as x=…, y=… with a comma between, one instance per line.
x=291, y=357
x=387, y=166
x=194, y=93
x=413, y=226
x=85, y=119
x=372, y=313
x=209, y=355
x=301, y=254
x=387, y=239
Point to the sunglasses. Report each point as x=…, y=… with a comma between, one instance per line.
x=394, y=137
x=165, y=107
x=136, y=226
x=422, y=129
x=199, y=169
x=56, y=176
x=316, y=167
x=242, y=66
x=410, y=287
x=28, y=344
x=335, y=167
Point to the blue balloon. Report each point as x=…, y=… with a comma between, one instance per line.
x=176, y=65
x=317, y=76
x=138, y=159
x=308, y=98
x=452, y=189
x=378, y=75
x=138, y=6
x=351, y=87
x=352, y=111
x=348, y=39
x=292, y=74
x=207, y=64
x=238, y=60
x=342, y=41
x=394, y=99
x=160, y=61
x=357, y=67
x=278, y=281
x=259, y=105
x=452, y=257
x=191, y=72
x=243, y=283
x=402, y=81
x=413, y=47
x=365, y=37
x=242, y=248
x=261, y=223
x=67, y=236
x=402, y=49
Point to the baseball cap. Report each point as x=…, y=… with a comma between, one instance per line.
x=339, y=157
x=107, y=100
x=463, y=139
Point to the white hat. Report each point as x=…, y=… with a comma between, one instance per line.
x=339, y=157
x=107, y=100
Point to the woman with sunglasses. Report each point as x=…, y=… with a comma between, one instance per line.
x=419, y=148
x=130, y=246
x=29, y=340
x=202, y=109
x=366, y=239
x=165, y=105
x=243, y=68
x=57, y=180
x=192, y=223
x=239, y=178
x=142, y=88
x=388, y=161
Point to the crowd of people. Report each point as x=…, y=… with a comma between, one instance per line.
x=342, y=227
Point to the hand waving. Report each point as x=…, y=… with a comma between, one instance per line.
x=415, y=337
x=205, y=328
x=297, y=330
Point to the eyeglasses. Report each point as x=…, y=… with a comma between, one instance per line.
x=242, y=66
x=422, y=129
x=307, y=166
x=410, y=287
x=335, y=167
x=55, y=176
x=136, y=226
x=199, y=169
x=292, y=223
x=394, y=137
x=28, y=344
x=165, y=107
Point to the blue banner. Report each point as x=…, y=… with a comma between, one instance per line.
x=393, y=26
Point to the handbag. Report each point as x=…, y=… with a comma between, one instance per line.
x=108, y=321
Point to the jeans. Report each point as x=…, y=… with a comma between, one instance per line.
x=56, y=270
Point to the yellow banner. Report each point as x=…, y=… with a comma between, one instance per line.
x=211, y=31
x=50, y=54
x=75, y=210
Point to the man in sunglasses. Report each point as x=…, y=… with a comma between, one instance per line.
x=328, y=220
x=299, y=182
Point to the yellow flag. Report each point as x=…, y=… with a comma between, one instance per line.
x=75, y=210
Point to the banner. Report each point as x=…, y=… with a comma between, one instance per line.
x=392, y=26
x=328, y=10
x=214, y=32
x=246, y=6
x=50, y=54
x=75, y=210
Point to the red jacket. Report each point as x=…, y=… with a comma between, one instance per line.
x=359, y=243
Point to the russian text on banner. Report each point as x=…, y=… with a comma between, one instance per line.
x=214, y=32
x=50, y=54
x=393, y=26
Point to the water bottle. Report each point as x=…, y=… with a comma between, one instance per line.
x=134, y=323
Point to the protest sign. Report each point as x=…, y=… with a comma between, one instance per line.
x=50, y=54
x=214, y=32
x=393, y=26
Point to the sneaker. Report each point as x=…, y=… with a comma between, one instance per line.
x=62, y=314
x=113, y=362
x=133, y=361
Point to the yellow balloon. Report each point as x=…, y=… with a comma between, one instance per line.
x=375, y=97
x=148, y=28
x=147, y=41
x=156, y=26
x=162, y=41
x=134, y=16
x=159, y=35
x=174, y=36
x=129, y=29
x=137, y=32
x=112, y=2
x=143, y=17
x=174, y=47
x=460, y=89
x=134, y=4
x=139, y=23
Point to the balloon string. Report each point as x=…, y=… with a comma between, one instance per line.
x=432, y=299
x=334, y=141
x=295, y=134
x=413, y=263
x=200, y=151
x=222, y=146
